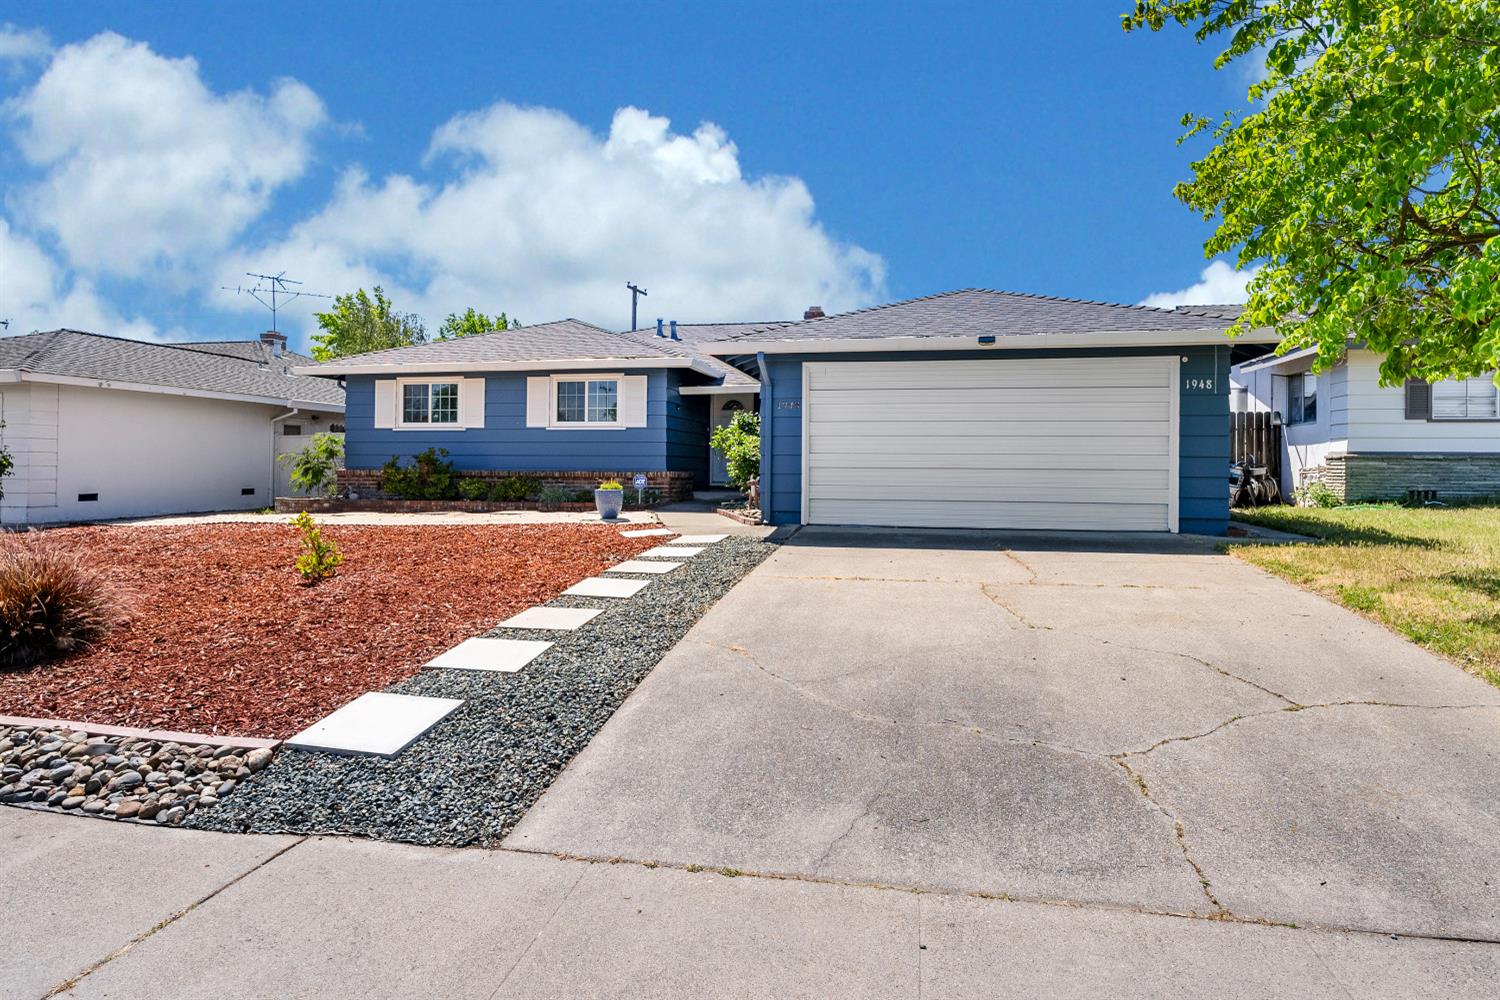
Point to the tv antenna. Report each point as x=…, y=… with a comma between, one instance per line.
x=271, y=291
x=635, y=296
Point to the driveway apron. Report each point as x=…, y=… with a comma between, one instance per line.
x=1138, y=721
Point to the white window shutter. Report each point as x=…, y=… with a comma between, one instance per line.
x=385, y=402
x=471, y=402
x=538, y=400
x=633, y=400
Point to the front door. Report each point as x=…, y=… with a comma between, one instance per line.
x=724, y=409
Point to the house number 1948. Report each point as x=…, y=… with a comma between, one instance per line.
x=1198, y=384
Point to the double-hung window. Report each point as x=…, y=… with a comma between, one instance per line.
x=1465, y=399
x=1302, y=402
x=424, y=403
x=586, y=402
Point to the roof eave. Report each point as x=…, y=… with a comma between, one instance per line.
x=50, y=378
x=1003, y=341
x=332, y=369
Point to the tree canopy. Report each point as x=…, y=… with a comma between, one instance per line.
x=1362, y=178
x=471, y=321
x=358, y=323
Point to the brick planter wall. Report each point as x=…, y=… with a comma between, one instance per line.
x=1373, y=476
x=670, y=485
x=338, y=505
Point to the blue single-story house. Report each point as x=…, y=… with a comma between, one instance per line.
x=567, y=401
x=972, y=408
x=978, y=408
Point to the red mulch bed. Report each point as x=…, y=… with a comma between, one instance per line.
x=225, y=640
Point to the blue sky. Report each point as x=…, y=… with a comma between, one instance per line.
x=478, y=155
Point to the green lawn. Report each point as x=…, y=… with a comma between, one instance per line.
x=1431, y=574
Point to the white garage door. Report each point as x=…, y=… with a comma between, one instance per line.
x=1069, y=443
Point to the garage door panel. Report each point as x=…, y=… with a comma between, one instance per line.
x=1027, y=374
x=1009, y=514
x=899, y=443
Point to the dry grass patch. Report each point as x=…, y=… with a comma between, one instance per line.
x=1432, y=574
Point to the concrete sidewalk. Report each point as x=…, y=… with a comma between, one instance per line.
x=97, y=909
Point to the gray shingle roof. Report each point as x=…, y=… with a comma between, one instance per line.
x=981, y=312
x=563, y=340
x=690, y=335
x=204, y=367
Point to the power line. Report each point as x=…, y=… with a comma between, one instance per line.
x=271, y=291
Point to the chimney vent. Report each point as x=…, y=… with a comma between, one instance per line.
x=813, y=312
x=275, y=341
x=658, y=327
x=674, y=331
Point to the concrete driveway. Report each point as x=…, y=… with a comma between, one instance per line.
x=1143, y=724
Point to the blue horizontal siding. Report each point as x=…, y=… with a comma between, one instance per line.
x=505, y=443
x=687, y=429
x=1203, y=427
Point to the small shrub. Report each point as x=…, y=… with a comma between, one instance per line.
x=583, y=496
x=551, y=496
x=314, y=469
x=514, y=488
x=473, y=489
x=739, y=441
x=429, y=477
x=51, y=603
x=1316, y=494
x=320, y=558
x=610, y=484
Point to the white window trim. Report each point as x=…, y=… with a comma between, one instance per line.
x=553, y=424
x=402, y=425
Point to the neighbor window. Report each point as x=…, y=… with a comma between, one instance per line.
x=587, y=401
x=1303, y=403
x=1467, y=399
x=429, y=403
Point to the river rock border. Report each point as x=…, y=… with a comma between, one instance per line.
x=114, y=776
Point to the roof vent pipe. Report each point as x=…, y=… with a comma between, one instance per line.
x=674, y=331
x=813, y=312
x=658, y=327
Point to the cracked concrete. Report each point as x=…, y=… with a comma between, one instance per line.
x=1068, y=718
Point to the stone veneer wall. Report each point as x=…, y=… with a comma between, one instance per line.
x=671, y=485
x=1388, y=476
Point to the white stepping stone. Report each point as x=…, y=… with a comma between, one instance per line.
x=560, y=619
x=642, y=566
x=698, y=539
x=646, y=532
x=507, y=655
x=668, y=552
x=598, y=586
x=377, y=723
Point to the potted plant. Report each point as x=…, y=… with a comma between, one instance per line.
x=609, y=497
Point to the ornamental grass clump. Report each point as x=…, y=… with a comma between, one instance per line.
x=320, y=558
x=51, y=604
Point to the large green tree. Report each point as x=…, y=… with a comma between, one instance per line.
x=358, y=323
x=471, y=321
x=1362, y=176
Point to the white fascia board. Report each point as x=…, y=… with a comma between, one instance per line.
x=454, y=367
x=1003, y=342
x=47, y=378
x=719, y=390
x=1276, y=361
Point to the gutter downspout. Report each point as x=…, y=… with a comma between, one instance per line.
x=767, y=416
x=271, y=487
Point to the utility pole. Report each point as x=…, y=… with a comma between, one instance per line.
x=635, y=295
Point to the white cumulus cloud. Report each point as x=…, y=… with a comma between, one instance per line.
x=23, y=45
x=142, y=165
x=1219, y=284
x=526, y=210
x=36, y=294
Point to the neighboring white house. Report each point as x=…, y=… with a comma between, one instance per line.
x=103, y=427
x=1374, y=442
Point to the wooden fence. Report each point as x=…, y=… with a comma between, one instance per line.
x=1257, y=434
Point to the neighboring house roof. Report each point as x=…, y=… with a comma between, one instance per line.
x=247, y=371
x=952, y=320
x=561, y=345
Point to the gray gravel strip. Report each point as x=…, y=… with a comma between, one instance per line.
x=469, y=780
